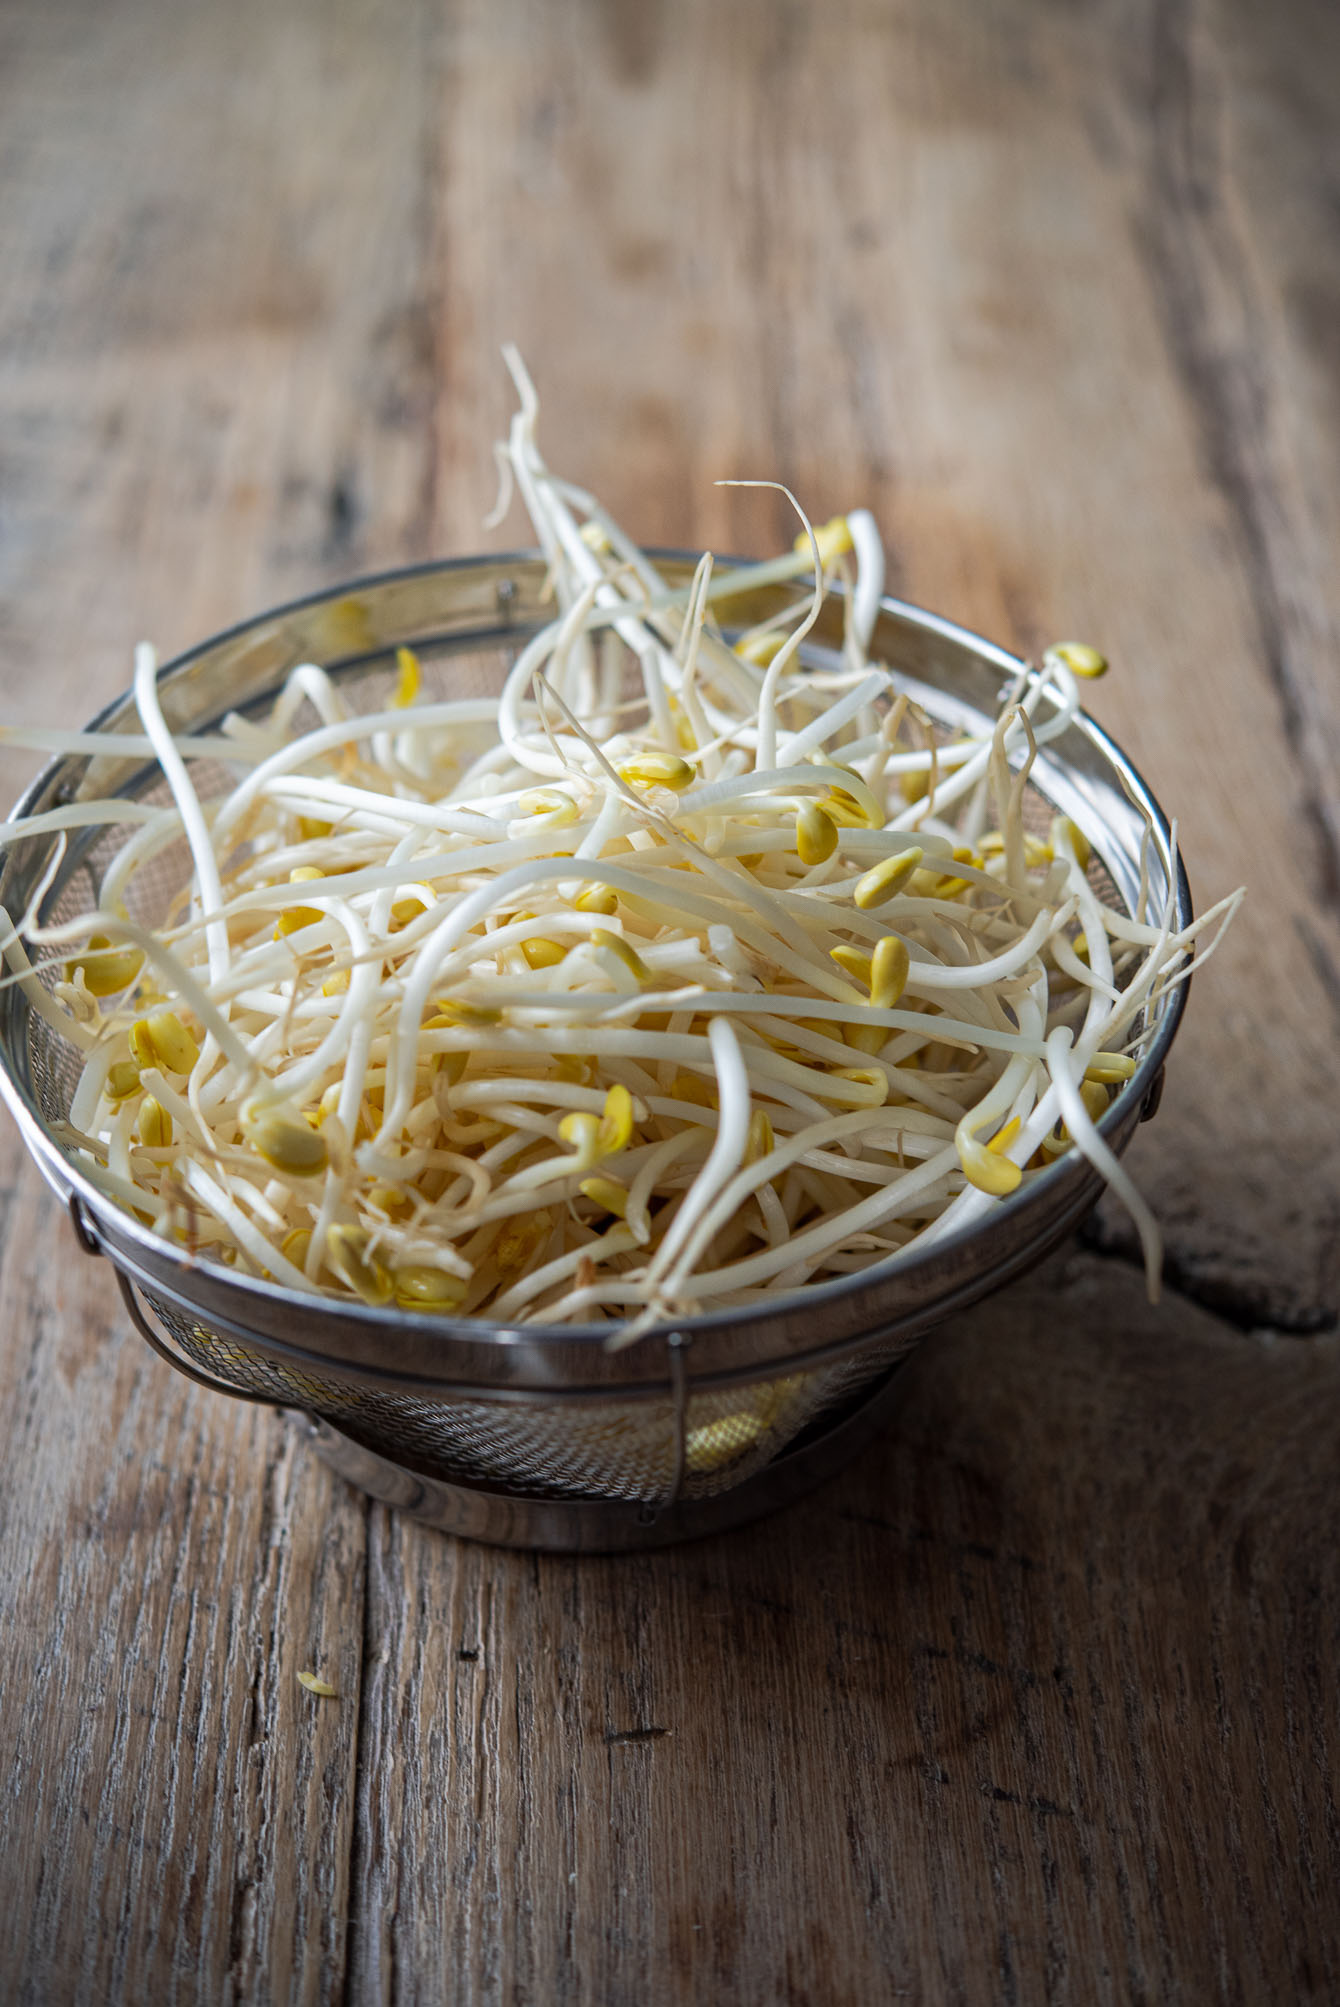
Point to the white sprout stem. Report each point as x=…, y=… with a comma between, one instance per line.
x=1084, y=1134
x=78, y=815
x=836, y=717
x=188, y=804
x=869, y=548
x=733, y=1102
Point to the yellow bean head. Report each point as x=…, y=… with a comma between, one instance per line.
x=816, y=834
x=887, y=878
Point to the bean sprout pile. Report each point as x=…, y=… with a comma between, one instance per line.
x=687, y=974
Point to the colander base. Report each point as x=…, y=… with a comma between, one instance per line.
x=597, y=1525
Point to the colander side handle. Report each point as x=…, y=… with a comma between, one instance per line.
x=90, y=1244
x=130, y=1297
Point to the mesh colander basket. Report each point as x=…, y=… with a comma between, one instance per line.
x=528, y=1435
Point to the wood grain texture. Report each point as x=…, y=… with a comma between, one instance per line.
x=1039, y=1701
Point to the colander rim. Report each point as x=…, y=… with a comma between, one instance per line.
x=1045, y=1188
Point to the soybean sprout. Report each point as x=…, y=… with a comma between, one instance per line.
x=692, y=971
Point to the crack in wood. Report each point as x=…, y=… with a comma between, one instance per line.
x=1238, y=1305
x=359, y=1784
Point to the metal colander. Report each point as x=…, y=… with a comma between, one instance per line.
x=526, y=1434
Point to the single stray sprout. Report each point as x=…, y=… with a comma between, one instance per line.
x=322, y=1688
x=849, y=1003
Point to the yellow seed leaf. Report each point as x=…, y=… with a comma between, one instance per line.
x=890, y=966
x=1095, y=1098
x=162, y=1040
x=389, y=1199
x=998, y=1176
x=294, y=1245
x=155, y=1125
x=887, y=878
x=616, y=1123
x=1003, y=1138
x=1109, y=1066
x=692, y=1087
x=294, y=918
x=549, y=801
x=542, y=953
x=419, y=1286
x=853, y=961
x=608, y=1193
x=816, y=834
x=322, y=1688
x=1080, y=658
x=285, y=1140
x=454, y=1013
x=865, y=1076
x=1063, y=827
x=759, y=648
x=833, y=539
x=713, y=1445
x=521, y=1240
x=581, y=1132
x=123, y=1080
x=600, y=937
x=658, y=770
x=760, y=1139
x=346, y=1252
x=106, y=970
x=408, y=679
x=596, y=899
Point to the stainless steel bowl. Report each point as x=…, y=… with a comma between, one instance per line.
x=522, y=1434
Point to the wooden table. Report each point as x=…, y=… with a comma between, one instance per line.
x=1039, y=1701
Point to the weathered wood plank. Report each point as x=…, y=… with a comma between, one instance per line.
x=1037, y=1703
x=178, y=1811
x=914, y=1734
